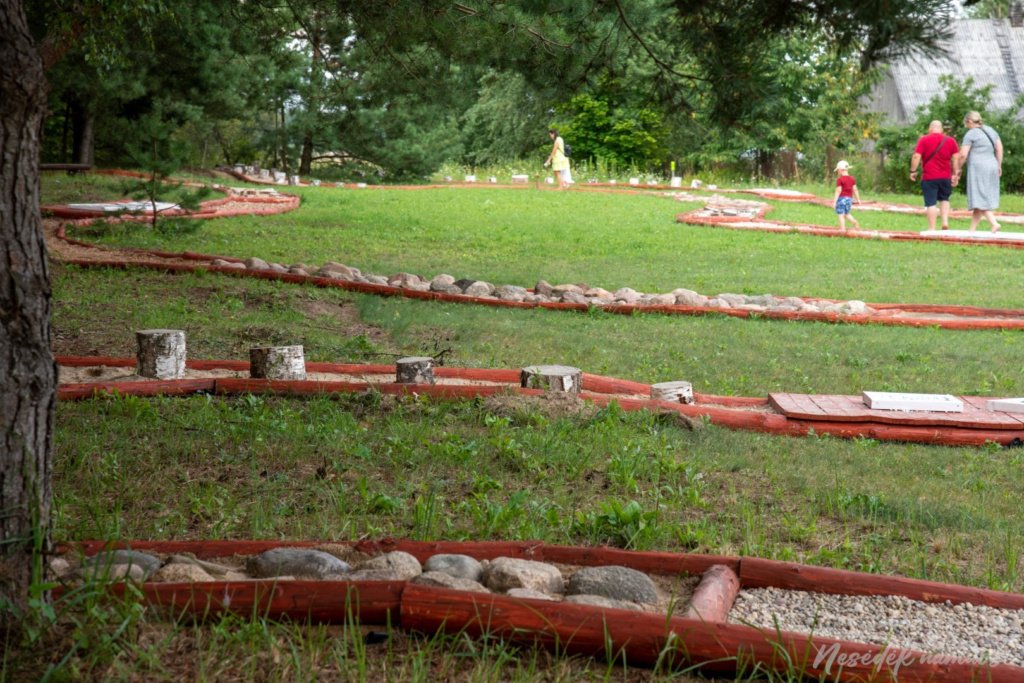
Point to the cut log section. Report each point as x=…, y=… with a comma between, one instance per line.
x=414, y=370
x=676, y=392
x=161, y=353
x=277, y=362
x=561, y=378
x=714, y=595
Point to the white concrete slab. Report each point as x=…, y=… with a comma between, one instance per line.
x=940, y=403
x=1007, y=405
x=122, y=207
x=981, y=235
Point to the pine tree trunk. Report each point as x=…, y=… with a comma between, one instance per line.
x=27, y=371
x=83, y=133
x=306, y=160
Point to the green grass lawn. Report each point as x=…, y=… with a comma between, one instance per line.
x=260, y=467
x=602, y=239
x=225, y=316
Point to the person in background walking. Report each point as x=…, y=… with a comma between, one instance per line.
x=557, y=160
x=941, y=171
x=981, y=154
x=846, y=192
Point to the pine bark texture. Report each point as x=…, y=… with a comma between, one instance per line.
x=28, y=374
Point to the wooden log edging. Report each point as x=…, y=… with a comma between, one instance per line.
x=755, y=572
x=714, y=596
x=334, y=602
x=591, y=382
x=643, y=638
x=727, y=412
x=650, y=639
x=730, y=222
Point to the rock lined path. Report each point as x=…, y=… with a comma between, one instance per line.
x=728, y=212
x=744, y=214
x=424, y=585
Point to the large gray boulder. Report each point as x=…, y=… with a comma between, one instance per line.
x=459, y=566
x=179, y=572
x=119, y=563
x=505, y=573
x=302, y=563
x=441, y=283
x=602, y=601
x=255, y=263
x=617, y=583
x=477, y=288
x=510, y=293
x=442, y=580
x=627, y=295
x=393, y=566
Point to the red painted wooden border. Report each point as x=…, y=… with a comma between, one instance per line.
x=649, y=638
x=364, y=602
x=645, y=638
x=722, y=411
x=759, y=573
x=729, y=222
x=753, y=572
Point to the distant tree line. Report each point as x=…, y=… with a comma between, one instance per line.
x=392, y=90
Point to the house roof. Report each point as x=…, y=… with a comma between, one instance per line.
x=990, y=51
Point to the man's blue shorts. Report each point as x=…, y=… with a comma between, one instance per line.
x=936, y=190
x=844, y=205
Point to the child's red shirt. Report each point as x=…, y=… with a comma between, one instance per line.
x=846, y=182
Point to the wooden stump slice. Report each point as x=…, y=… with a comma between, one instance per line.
x=161, y=353
x=562, y=378
x=676, y=392
x=414, y=370
x=277, y=362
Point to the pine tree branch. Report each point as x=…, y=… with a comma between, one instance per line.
x=664, y=66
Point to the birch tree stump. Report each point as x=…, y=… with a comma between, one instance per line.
x=676, y=392
x=161, y=353
x=414, y=370
x=277, y=362
x=562, y=378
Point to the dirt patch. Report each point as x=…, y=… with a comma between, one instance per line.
x=345, y=315
x=552, y=405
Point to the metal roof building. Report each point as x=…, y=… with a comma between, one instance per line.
x=991, y=51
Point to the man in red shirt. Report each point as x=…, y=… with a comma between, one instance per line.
x=941, y=171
